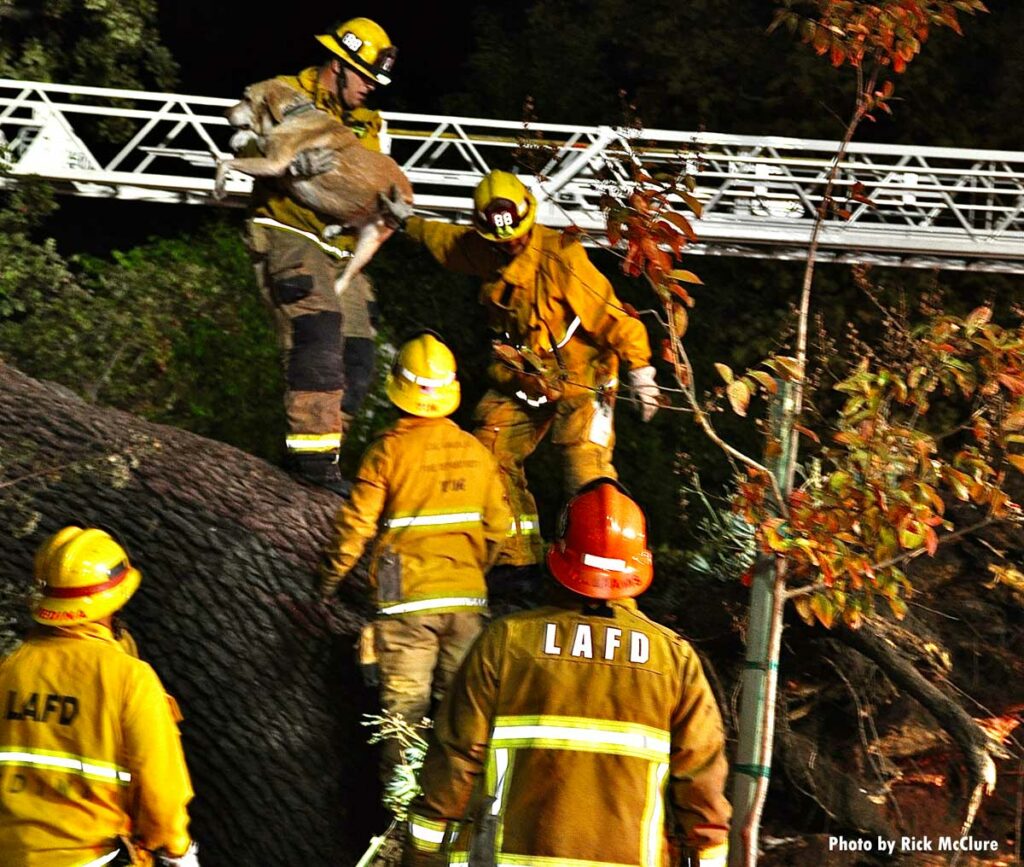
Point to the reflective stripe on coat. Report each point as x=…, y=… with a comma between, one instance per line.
x=565, y=737
x=433, y=496
x=89, y=750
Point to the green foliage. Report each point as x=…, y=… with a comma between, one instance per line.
x=103, y=43
x=878, y=492
x=172, y=330
x=30, y=270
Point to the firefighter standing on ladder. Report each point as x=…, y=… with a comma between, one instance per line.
x=327, y=345
x=436, y=495
x=89, y=748
x=578, y=733
x=545, y=297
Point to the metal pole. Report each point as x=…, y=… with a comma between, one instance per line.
x=760, y=668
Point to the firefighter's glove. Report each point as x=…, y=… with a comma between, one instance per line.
x=645, y=389
x=242, y=139
x=395, y=209
x=189, y=859
x=311, y=161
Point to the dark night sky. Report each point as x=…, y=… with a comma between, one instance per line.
x=221, y=47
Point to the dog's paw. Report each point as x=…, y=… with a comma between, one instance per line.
x=221, y=180
x=242, y=139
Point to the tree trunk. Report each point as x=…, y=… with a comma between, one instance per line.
x=228, y=547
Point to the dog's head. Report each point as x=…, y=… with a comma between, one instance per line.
x=264, y=105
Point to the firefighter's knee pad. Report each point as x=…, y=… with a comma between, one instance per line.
x=315, y=360
x=360, y=358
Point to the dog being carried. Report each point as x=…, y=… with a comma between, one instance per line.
x=286, y=124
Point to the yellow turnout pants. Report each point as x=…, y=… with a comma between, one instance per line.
x=582, y=430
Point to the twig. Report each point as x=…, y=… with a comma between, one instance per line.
x=93, y=391
x=902, y=558
x=975, y=744
x=861, y=716
x=19, y=479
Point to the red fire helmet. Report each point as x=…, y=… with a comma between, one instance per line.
x=601, y=549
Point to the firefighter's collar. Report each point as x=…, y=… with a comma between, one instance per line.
x=522, y=267
x=83, y=630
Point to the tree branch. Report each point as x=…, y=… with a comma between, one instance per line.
x=975, y=745
x=903, y=558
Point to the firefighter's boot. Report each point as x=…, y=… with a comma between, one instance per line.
x=322, y=470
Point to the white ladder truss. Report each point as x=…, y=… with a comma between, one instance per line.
x=931, y=207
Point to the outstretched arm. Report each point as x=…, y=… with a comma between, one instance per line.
x=356, y=523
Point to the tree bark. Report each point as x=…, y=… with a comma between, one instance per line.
x=228, y=547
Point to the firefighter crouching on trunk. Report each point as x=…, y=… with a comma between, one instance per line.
x=436, y=497
x=579, y=733
x=91, y=764
x=327, y=344
x=543, y=295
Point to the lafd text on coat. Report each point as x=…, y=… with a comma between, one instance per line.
x=606, y=643
x=39, y=707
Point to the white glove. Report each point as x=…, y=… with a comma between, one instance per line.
x=641, y=380
x=189, y=859
x=241, y=140
x=396, y=210
x=310, y=162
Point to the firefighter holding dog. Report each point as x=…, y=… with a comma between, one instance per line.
x=578, y=733
x=91, y=766
x=550, y=306
x=327, y=345
x=433, y=494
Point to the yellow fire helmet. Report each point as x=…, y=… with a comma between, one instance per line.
x=81, y=575
x=364, y=46
x=503, y=208
x=422, y=381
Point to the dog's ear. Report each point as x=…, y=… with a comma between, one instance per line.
x=274, y=105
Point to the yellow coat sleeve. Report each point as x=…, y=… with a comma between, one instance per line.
x=153, y=754
x=356, y=522
x=497, y=515
x=457, y=248
x=602, y=315
x=698, y=765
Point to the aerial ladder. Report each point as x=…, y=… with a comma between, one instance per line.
x=929, y=207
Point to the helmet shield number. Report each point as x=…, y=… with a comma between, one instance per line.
x=500, y=217
x=352, y=42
